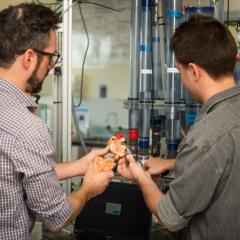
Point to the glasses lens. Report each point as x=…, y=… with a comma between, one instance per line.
x=54, y=59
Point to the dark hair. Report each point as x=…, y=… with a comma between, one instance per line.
x=207, y=42
x=24, y=26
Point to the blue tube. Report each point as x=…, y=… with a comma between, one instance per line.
x=143, y=143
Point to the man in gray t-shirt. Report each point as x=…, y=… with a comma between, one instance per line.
x=204, y=196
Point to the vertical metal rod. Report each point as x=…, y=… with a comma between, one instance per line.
x=57, y=101
x=66, y=85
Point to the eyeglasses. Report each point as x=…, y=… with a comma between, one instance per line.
x=53, y=57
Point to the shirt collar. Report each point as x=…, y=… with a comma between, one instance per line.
x=16, y=93
x=231, y=92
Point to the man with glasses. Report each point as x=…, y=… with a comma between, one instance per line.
x=29, y=177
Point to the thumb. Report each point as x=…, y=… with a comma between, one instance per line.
x=121, y=168
x=130, y=158
x=103, y=151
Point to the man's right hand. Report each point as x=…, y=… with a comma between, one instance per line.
x=94, y=182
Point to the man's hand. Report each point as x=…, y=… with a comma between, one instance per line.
x=94, y=182
x=90, y=157
x=130, y=169
x=133, y=171
x=123, y=168
x=156, y=166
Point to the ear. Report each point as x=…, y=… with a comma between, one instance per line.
x=194, y=71
x=29, y=59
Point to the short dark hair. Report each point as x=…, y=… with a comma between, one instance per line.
x=207, y=42
x=24, y=26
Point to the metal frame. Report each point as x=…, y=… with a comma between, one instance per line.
x=66, y=87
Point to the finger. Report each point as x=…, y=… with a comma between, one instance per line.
x=130, y=158
x=103, y=151
x=121, y=167
x=116, y=158
x=122, y=161
x=135, y=165
x=146, y=164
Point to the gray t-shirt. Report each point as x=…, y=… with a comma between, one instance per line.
x=204, y=197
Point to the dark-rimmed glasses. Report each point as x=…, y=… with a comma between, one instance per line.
x=53, y=57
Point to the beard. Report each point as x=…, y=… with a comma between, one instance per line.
x=34, y=82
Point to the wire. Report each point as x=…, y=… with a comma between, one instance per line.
x=101, y=5
x=58, y=7
x=86, y=51
x=85, y=54
x=98, y=4
x=48, y=4
x=86, y=31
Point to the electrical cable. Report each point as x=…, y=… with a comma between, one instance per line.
x=58, y=8
x=85, y=55
x=100, y=5
x=86, y=31
x=88, y=42
x=48, y=4
x=75, y=2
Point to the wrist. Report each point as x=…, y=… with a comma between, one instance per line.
x=84, y=193
x=82, y=165
x=142, y=179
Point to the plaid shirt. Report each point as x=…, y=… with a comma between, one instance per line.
x=28, y=183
